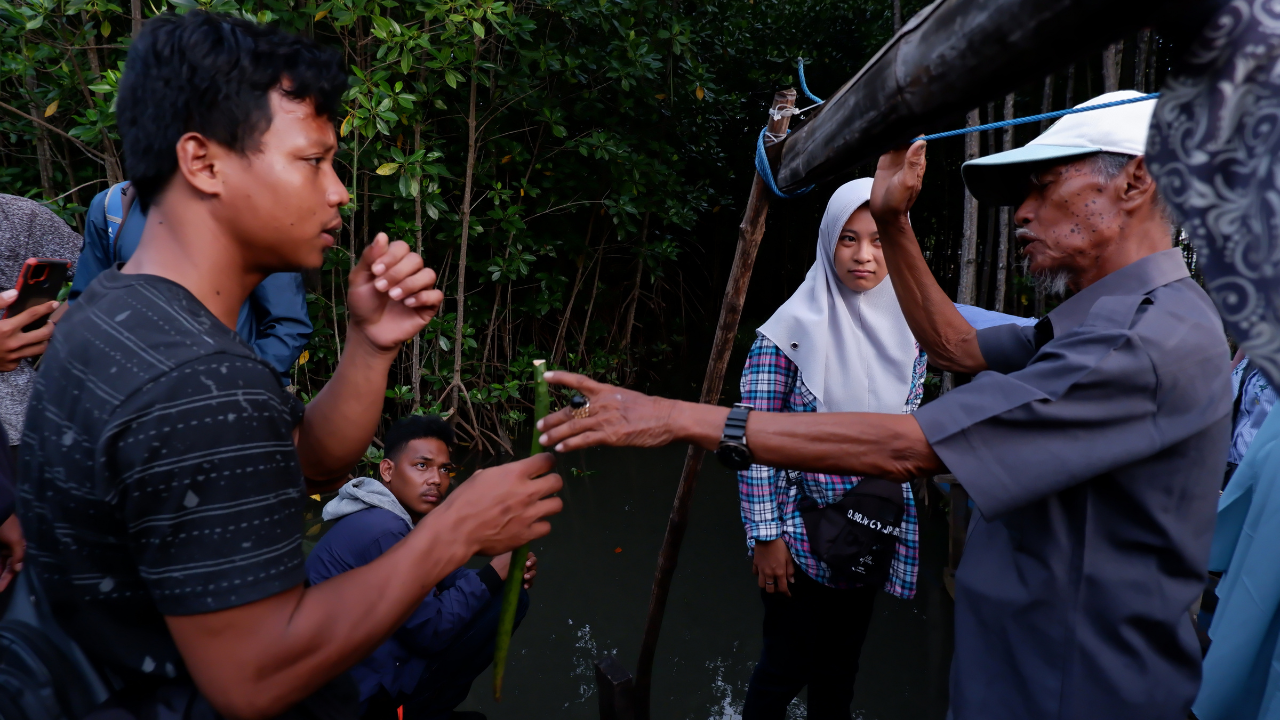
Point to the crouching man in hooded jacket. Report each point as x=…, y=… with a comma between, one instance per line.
x=428, y=665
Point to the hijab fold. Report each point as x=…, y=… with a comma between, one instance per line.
x=854, y=349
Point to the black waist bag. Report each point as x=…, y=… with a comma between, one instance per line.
x=856, y=535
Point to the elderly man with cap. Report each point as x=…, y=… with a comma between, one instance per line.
x=1092, y=443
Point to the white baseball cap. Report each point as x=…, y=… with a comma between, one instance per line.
x=1002, y=178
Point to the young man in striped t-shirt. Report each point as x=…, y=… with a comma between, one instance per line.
x=163, y=465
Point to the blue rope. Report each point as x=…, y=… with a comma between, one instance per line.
x=1034, y=118
x=762, y=160
x=766, y=174
x=804, y=88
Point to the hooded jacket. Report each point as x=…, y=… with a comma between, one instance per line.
x=370, y=522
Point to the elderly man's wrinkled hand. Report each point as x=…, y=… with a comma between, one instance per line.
x=617, y=417
x=899, y=177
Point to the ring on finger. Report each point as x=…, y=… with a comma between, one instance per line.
x=768, y=582
x=581, y=405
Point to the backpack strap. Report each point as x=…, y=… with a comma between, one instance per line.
x=119, y=201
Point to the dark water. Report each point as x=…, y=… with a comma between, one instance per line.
x=595, y=572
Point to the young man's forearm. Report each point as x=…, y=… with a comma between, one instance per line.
x=255, y=661
x=341, y=420
x=948, y=339
x=294, y=642
x=872, y=444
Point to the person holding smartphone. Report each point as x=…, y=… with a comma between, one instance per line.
x=27, y=230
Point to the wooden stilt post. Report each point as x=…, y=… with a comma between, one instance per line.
x=1006, y=214
x=749, y=234
x=965, y=291
x=616, y=689
x=1111, y=58
x=969, y=244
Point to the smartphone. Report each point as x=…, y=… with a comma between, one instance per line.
x=39, y=282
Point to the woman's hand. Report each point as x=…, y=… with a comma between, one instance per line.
x=773, y=567
x=899, y=177
x=616, y=417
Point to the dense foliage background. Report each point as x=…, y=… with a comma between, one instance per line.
x=574, y=169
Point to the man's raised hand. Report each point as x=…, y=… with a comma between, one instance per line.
x=391, y=295
x=899, y=177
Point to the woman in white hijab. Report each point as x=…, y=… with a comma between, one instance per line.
x=839, y=344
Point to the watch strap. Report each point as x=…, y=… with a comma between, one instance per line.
x=735, y=426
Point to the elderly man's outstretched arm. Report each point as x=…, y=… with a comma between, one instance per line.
x=875, y=444
x=951, y=343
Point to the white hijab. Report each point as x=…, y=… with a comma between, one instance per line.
x=854, y=349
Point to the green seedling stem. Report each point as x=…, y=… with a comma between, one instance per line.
x=515, y=572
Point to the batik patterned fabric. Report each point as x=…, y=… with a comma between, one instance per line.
x=771, y=382
x=1213, y=147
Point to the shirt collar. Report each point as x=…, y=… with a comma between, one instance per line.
x=1136, y=278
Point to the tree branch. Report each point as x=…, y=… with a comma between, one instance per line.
x=91, y=182
x=101, y=158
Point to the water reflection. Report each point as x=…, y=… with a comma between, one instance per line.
x=594, y=576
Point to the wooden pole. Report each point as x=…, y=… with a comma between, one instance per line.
x=965, y=292
x=1006, y=214
x=1046, y=101
x=616, y=689
x=749, y=234
x=1111, y=58
x=969, y=244
x=1140, y=61
x=983, y=288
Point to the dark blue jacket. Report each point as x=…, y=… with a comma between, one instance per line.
x=8, y=476
x=398, y=663
x=273, y=321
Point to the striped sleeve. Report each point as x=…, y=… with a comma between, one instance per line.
x=209, y=487
x=767, y=380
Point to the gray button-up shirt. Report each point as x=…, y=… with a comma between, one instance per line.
x=1095, y=462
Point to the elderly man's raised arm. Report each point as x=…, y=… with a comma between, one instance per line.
x=952, y=344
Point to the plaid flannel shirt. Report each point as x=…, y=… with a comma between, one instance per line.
x=772, y=383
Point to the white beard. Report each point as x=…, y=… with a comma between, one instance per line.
x=1051, y=283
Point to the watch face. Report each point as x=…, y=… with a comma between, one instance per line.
x=734, y=457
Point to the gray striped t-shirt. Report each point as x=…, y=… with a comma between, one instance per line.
x=158, y=473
